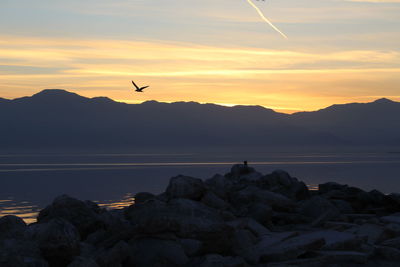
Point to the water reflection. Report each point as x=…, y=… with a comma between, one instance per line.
x=28, y=211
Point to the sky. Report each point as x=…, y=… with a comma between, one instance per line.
x=208, y=51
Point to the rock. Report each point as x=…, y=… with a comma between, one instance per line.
x=387, y=253
x=212, y=200
x=11, y=227
x=185, y=187
x=244, y=173
x=374, y=233
x=281, y=182
x=116, y=256
x=83, y=215
x=250, y=224
x=143, y=197
x=394, y=243
x=393, y=218
x=330, y=186
x=260, y=212
x=290, y=248
x=158, y=253
x=252, y=194
x=243, y=243
x=335, y=240
x=344, y=257
x=220, y=185
x=58, y=241
x=343, y=206
x=20, y=253
x=215, y=260
x=83, y=262
x=317, y=206
x=191, y=247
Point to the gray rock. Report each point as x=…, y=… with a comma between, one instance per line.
x=394, y=243
x=343, y=206
x=260, y=212
x=317, y=206
x=116, y=256
x=335, y=240
x=344, y=257
x=373, y=233
x=20, y=253
x=191, y=247
x=215, y=260
x=58, y=241
x=212, y=200
x=290, y=248
x=243, y=243
x=220, y=185
x=83, y=215
x=143, y=196
x=252, y=194
x=387, y=253
x=281, y=182
x=83, y=262
x=330, y=186
x=12, y=227
x=158, y=253
x=393, y=218
x=185, y=187
x=244, y=173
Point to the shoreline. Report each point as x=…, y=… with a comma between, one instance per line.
x=242, y=218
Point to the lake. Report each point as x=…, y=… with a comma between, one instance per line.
x=29, y=182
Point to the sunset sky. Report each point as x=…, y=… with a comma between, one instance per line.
x=215, y=51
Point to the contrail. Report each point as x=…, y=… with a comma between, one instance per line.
x=265, y=19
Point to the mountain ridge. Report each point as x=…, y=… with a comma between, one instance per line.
x=53, y=118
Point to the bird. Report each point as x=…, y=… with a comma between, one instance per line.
x=139, y=89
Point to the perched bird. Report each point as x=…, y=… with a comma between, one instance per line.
x=139, y=89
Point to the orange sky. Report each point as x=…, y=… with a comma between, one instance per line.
x=206, y=53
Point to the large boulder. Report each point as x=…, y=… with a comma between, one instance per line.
x=11, y=227
x=185, y=187
x=244, y=174
x=215, y=260
x=156, y=252
x=20, y=253
x=220, y=185
x=252, y=194
x=83, y=215
x=317, y=206
x=281, y=182
x=59, y=241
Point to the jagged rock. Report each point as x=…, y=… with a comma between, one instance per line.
x=20, y=253
x=289, y=248
x=281, y=182
x=252, y=194
x=346, y=257
x=116, y=256
x=143, y=196
x=244, y=173
x=243, y=243
x=374, y=233
x=191, y=246
x=185, y=187
x=83, y=215
x=156, y=252
x=335, y=240
x=58, y=241
x=393, y=218
x=212, y=200
x=394, y=243
x=260, y=212
x=317, y=206
x=343, y=206
x=83, y=262
x=220, y=185
x=387, y=253
x=215, y=260
x=250, y=224
x=330, y=186
x=11, y=227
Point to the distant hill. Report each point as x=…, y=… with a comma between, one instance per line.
x=57, y=119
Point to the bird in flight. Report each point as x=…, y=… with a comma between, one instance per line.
x=139, y=89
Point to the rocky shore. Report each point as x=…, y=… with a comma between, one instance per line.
x=243, y=218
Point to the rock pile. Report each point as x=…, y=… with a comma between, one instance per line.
x=243, y=218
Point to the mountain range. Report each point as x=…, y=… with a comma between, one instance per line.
x=55, y=118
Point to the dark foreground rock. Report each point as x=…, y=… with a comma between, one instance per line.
x=242, y=218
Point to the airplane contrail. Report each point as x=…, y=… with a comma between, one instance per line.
x=265, y=19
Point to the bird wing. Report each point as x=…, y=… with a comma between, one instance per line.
x=135, y=85
x=144, y=87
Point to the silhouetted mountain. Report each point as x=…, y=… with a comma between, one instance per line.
x=57, y=118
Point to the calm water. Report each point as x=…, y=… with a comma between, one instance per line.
x=29, y=182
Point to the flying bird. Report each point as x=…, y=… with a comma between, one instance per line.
x=139, y=89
